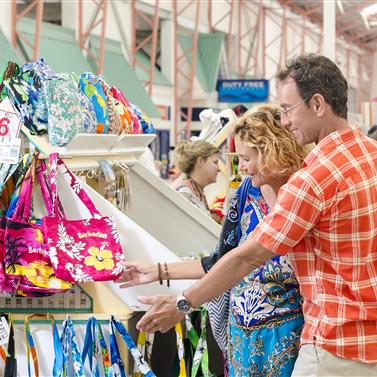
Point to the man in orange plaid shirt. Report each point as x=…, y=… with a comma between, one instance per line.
x=326, y=218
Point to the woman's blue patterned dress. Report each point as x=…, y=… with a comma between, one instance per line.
x=265, y=317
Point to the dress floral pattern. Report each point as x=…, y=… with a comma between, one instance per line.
x=265, y=317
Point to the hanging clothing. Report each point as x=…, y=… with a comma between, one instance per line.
x=264, y=314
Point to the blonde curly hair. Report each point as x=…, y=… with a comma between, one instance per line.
x=278, y=152
x=187, y=154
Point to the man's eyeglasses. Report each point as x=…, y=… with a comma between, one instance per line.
x=286, y=110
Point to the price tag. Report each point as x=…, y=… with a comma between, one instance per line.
x=4, y=331
x=10, y=125
x=4, y=126
x=10, y=151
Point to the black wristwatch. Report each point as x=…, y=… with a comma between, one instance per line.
x=184, y=305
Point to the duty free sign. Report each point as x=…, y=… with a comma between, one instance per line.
x=243, y=91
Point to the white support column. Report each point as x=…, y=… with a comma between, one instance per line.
x=329, y=34
x=167, y=62
x=6, y=19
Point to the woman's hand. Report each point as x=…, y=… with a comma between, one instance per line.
x=137, y=273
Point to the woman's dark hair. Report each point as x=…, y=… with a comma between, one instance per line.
x=318, y=74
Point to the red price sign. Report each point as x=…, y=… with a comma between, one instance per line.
x=4, y=126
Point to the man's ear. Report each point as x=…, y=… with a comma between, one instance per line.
x=318, y=104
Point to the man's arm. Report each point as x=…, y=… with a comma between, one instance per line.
x=228, y=271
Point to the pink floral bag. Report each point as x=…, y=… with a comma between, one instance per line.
x=28, y=270
x=81, y=250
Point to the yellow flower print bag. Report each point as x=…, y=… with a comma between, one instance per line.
x=81, y=250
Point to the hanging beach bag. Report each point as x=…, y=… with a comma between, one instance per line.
x=81, y=250
x=117, y=365
x=95, y=349
x=28, y=270
x=72, y=363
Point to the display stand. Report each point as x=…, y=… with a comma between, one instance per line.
x=76, y=300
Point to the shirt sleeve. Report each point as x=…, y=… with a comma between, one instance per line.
x=297, y=211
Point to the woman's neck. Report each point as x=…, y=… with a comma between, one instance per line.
x=201, y=181
x=270, y=191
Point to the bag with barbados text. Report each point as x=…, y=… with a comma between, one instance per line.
x=10, y=188
x=81, y=250
x=28, y=270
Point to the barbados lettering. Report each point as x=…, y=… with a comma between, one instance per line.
x=92, y=234
x=38, y=250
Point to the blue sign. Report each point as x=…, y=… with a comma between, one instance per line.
x=243, y=91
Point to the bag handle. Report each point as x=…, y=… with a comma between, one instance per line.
x=75, y=185
x=180, y=349
x=45, y=189
x=21, y=171
x=10, y=369
x=201, y=351
x=58, y=368
x=23, y=206
x=30, y=348
x=70, y=350
x=94, y=340
x=138, y=358
x=145, y=346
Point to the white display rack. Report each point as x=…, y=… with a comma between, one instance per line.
x=85, y=150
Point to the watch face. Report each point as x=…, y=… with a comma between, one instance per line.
x=183, y=305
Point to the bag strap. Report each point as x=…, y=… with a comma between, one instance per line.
x=22, y=210
x=75, y=185
x=117, y=365
x=243, y=190
x=30, y=349
x=58, y=367
x=138, y=358
x=145, y=346
x=10, y=369
x=180, y=349
x=70, y=350
x=20, y=173
x=201, y=350
x=95, y=342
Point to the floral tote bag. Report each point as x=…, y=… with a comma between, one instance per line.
x=28, y=270
x=81, y=250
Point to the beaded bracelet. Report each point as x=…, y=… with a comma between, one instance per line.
x=159, y=273
x=167, y=275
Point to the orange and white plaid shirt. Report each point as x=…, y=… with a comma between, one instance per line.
x=326, y=215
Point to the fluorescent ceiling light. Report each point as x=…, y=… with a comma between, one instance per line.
x=371, y=9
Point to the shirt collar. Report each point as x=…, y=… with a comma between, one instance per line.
x=327, y=143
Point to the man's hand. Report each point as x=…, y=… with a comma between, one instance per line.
x=161, y=316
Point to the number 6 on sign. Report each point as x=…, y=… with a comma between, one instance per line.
x=4, y=126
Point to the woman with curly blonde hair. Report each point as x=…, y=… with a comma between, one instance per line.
x=258, y=323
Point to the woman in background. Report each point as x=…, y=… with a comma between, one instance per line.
x=198, y=161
